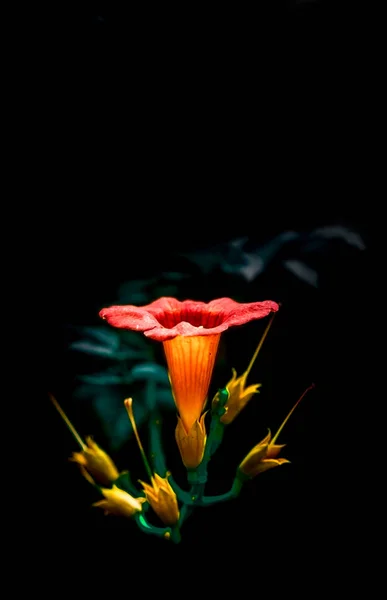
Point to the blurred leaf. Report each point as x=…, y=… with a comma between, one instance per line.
x=240, y=257
x=106, y=393
x=146, y=371
x=343, y=233
x=140, y=292
x=137, y=298
x=233, y=258
x=316, y=246
x=112, y=343
x=91, y=348
x=84, y=392
x=106, y=378
x=165, y=290
x=89, y=391
x=110, y=409
x=250, y=264
x=121, y=431
x=175, y=276
x=165, y=399
x=143, y=372
x=135, y=291
x=135, y=339
x=302, y=271
x=97, y=350
x=206, y=260
x=107, y=336
x=268, y=251
x=109, y=406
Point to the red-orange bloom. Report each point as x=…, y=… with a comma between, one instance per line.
x=190, y=332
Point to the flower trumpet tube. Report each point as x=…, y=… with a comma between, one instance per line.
x=190, y=333
x=264, y=455
x=191, y=361
x=119, y=503
x=162, y=499
x=191, y=443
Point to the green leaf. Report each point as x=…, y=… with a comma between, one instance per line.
x=149, y=370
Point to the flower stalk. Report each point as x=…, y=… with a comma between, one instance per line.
x=65, y=418
x=129, y=409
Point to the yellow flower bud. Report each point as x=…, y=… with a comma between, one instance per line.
x=262, y=457
x=162, y=499
x=239, y=396
x=191, y=444
x=119, y=503
x=95, y=462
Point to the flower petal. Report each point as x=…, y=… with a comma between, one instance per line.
x=87, y=475
x=150, y=491
x=266, y=439
x=161, y=334
x=253, y=458
x=167, y=317
x=267, y=464
x=238, y=313
x=79, y=458
x=129, y=317
x=274, y=450
x=120, y=503
x=239, y=398
x=91, y=443
x=192, y=444
x=168, y=509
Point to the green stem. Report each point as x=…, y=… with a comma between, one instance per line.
x=217, y=427
x=172, y=533
x=193, y=498
x=175, y=534
x=233, y=493
x=183, y=496
x=198, y=479
x=216, y=436
x=155, y=422
x=185, y=512
x=143, y=524
x=150, y=394
x=156, y=449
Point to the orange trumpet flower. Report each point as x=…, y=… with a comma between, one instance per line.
x=190, y=332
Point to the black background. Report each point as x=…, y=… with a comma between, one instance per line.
x=172, y=132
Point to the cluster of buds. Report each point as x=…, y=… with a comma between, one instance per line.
x=190, y=332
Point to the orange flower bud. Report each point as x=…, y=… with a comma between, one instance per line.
x=191, y=444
